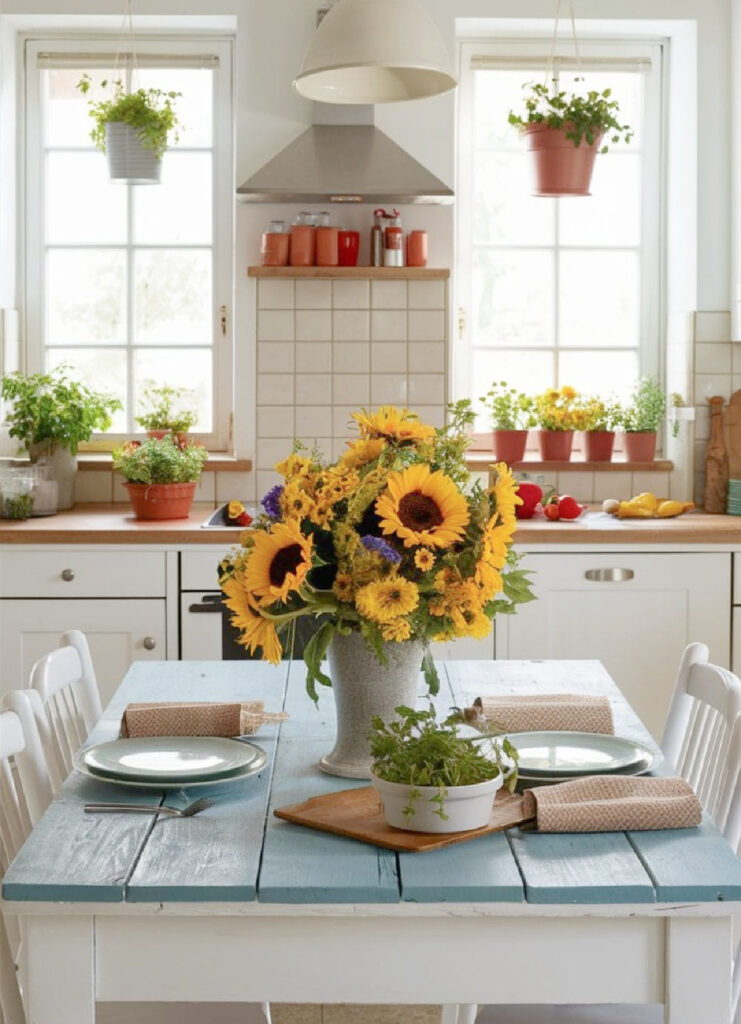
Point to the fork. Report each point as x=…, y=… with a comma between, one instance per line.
x=175, y=812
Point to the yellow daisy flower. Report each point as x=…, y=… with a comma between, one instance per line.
x=397, y=629
x=342, y=586
x=387, y=599
x=256, y=631
x=424, y=559
x=392, y=424
x=295, y=503
x=294, y=465
x=422, y=508
x=278, y=563
x=362, y=452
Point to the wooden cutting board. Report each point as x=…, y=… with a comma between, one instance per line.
x=357, y=814
x=732, y=435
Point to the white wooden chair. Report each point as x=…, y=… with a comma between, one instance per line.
x=25, y=793
x=702, y=742
x=66, y=702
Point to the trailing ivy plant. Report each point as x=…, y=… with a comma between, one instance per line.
x=584, y=116
x=646, y=409
x=417, y=750
x=150, y=112
x=53, y=408
x=160, y=461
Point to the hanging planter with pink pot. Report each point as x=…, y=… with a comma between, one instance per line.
x=509, y=445
x=598, y=445
x=555, y=445
x=640, y=445
x=562, y=168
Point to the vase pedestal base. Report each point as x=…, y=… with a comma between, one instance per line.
x=344, y=769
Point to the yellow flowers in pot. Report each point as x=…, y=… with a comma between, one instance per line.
x=392, y=540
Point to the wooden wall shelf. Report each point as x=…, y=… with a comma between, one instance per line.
x=379, y=273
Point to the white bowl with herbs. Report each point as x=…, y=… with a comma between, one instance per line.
x=431, y=778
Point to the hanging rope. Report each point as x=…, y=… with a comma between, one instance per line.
x=127, y=28
x=554, y=40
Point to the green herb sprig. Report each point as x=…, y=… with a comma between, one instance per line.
x=160, y=461
x=162, y=410
x=647, y=407
x=508, y=408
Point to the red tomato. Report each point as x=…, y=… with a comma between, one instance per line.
x=552, y=511
x=569, y=507
x=531, y=495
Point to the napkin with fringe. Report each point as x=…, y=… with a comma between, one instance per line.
x=194, y=718
x=543, y=712
x=613, y=803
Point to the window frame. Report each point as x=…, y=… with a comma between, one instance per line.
x=32, y=211
x=512, y=53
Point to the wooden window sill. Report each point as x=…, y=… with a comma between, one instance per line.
x=478, y=460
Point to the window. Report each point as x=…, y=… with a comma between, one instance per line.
x=132, y=283
x=558, y=291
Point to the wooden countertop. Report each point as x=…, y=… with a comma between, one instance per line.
x=115, y=524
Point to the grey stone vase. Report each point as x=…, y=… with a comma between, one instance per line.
x=63, y=469
x=363, y=687
x=129, y=162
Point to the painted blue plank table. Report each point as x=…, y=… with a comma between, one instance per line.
x=237, y=905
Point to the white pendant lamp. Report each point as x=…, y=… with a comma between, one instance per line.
x=375, y=51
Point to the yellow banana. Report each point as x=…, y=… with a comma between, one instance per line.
x=646, y=500
x=668, y=509
x=629, y=510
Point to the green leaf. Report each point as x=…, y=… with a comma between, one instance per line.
x=314, y=654
x=430, y=672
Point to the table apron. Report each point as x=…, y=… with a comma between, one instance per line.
x=506, y=960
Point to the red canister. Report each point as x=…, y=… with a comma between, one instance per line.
x=417, y=249
x=348, y=247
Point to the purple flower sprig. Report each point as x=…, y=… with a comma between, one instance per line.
x=381, y=547
x=271, y=502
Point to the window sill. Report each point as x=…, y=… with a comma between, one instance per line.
x=216, y=463
x=478, y=460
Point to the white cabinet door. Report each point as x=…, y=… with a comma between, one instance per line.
x=636, y=621
x=200, y=626
x=118, y=631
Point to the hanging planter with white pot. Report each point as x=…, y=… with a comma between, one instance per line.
x=133, y=129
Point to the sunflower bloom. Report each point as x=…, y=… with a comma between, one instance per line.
x=397, y=630
x=505, y=493
x=362, y=452
x=424, y=559
x=256, y=631
x=393, y=425
x=423, y=508
x=294, y=465
x=387, y=599
x=278, y=563
x=296, y=504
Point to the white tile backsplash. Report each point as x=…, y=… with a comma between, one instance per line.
x=313, y=294
x=275, y=325
x=712, y=326
x=387, y=388
x=275, y=389
x=351, y=387
x=275, y=421
x=274, y=356
x=389, y=294
x=93, y=485
x=388, y=324
x=388, y=357
x=713, y=357
x=313, y=325
x=427, y=357
x=612, y=485
x=426, y=389
x=426, y=325
x=709, y=384
x=351, y=294
x=313, y=421
x=351, y=325
x=269, y=451
x=272, y=294
x=313, y=388
x=350, y=357
x=426, y=294
x=343, y=425
x=313, y=357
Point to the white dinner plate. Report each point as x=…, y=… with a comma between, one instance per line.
x=564, y=755
x=171, y=761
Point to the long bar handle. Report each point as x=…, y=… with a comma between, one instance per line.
x=609, y=575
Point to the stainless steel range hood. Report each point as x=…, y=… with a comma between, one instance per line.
x=344, y=163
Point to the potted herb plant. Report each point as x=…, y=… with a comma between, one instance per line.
x=558, y=413
x=601, y=419
x=163, y=411
x=642, y=419
x=564, y=132
x=430, y=778
x=511, y=414
x=133, y=129
x=51, y=414
x=160, y=475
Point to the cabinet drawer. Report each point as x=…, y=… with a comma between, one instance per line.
x=71, y=573
x=199, y=569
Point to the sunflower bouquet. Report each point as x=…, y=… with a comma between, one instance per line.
x=393, y=540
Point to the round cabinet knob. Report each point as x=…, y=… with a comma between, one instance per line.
x=149, y=643
x=68, y=575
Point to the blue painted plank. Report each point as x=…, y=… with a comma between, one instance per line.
x=224, y=842
x=301, y=865
x=690, y=864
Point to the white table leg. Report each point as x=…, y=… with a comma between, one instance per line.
x=60, y=955
x=467, y=1013
x=698, y=970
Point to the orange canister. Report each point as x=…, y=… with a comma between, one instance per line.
x=275, y=244
x=327, y=246
x=417, y=249
x=303, y=242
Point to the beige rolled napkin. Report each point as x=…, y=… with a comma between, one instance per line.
x=192, y=718
x=546, y=712
x=613, y=803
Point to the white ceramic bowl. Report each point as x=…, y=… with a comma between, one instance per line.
x=466, y=807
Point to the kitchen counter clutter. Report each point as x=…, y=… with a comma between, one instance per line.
x=115, y=524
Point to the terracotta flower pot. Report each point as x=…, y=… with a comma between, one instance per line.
x=161, y=501
x=180, y=436
x=640, y=446
x=509, y=445
x=598, y=445
x=561, y=168
x=555, y=445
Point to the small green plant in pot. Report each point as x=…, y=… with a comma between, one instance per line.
x=431, y=778
x=161, y=475
x=164, y=411
x=511, y=415
x=51, y=414
x=133, y=129
x=602, y=416
x=642, y=419
x=564, y=132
